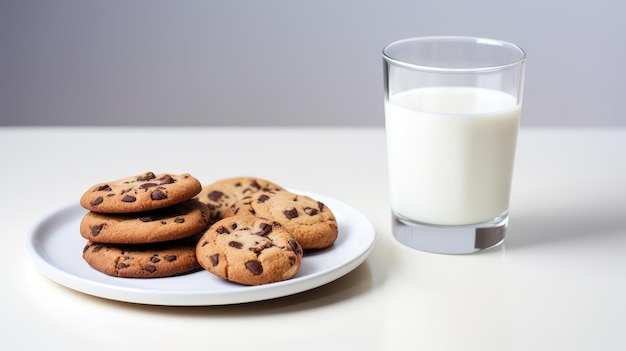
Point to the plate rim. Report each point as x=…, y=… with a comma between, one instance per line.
x=138, y=295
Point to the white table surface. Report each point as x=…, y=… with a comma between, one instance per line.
x=558, y=282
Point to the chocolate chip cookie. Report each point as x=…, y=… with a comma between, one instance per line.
x=249, y=250
x=139, y=193
x=223, y=193
x=143, y=261
x=164, y=224
x=312, y=223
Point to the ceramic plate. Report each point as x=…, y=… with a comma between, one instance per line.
x=56, y=246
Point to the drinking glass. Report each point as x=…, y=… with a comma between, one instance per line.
x=452, y=113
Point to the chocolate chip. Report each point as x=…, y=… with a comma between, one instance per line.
x=85, y=248
x=179, y=220
x=263, y=198
x=311, y=211
x=170, y=258
x=145, y=219
x=255, y=184
x=254, y=267
x=145, y=177
x=155, y=259
x=320, y=206
x=122, y=265
x=295, y=247
x=147, y=185
x=158, y=195
x=264, y=229
x=97, y=201
x=291, y=213
x=166, y=179
x=215, y=259
x=235, y=244
x=215, y=195
x=149, y=268
x=95, y=229
x=97, y=248
x=104, y=187
x=222, y=230
x=204, y=243
x=129, y=198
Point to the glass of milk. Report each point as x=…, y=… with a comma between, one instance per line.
x=452, y=112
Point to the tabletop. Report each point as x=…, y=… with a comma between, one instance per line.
x=557, y=283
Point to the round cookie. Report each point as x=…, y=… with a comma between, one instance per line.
x=221, y=194
x=249, y=250
x=143, y=261
x=312, y=223
x=144, y=192
x=164, y=224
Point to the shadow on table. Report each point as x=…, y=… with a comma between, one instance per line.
x=543, y=228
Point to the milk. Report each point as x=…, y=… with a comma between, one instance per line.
x=451, y=153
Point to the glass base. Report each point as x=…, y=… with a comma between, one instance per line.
x=457, y=239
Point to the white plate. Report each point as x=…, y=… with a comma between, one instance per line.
x=56, y=246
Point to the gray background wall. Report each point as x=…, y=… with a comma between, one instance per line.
x=281, y=62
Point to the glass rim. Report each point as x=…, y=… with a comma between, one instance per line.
x=477, y=40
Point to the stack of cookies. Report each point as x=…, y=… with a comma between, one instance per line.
x=261, y=230
x=144, y=226
x=244, y=229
